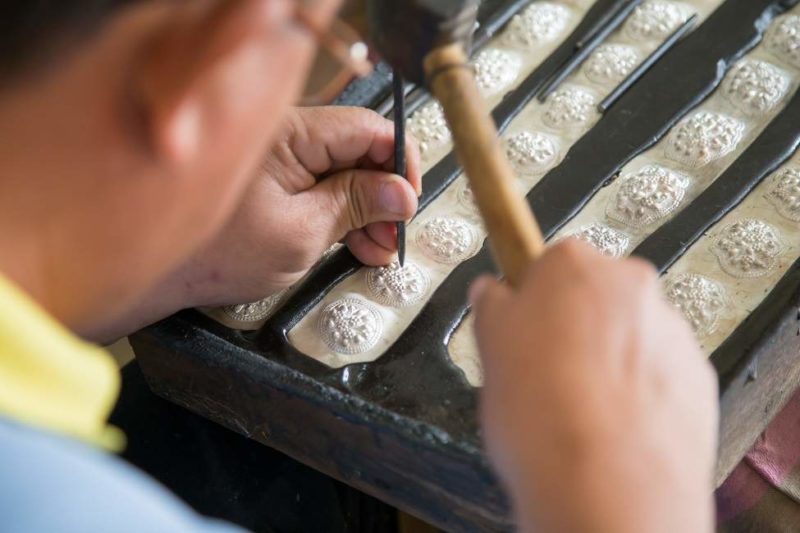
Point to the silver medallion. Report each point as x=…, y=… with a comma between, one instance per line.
x=539, y=23
x=350, y=326
x=611, y=63
x=448, y=240
x=785, y=193
x=466, y=198
x=496, y=70
x=655, y=20
x=755, y=87
x=747, y=248
x=783, y=39
x=253, y=312
x=570, y=107
x=429, y=128
x=398, y=286
x=649, y=195
x=605, y=240
x=701, y=300
x=531, y=153
x=704, y=137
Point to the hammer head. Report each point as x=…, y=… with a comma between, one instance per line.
x=405, y=31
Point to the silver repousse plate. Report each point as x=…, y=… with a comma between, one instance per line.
x=785, y=193
x=647, y=196
x=350, y=326
x=398, y=286
x=703, y=137
x=700, y=299
x=748, y=248
x=605, y=240
x=448, y=240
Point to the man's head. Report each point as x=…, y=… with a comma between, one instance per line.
x=129, y=130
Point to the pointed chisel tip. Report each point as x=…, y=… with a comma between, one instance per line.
x=401, y=243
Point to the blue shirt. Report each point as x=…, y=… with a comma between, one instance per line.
x=50, y=483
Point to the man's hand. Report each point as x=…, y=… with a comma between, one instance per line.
x=327, y=179
x=599, y=411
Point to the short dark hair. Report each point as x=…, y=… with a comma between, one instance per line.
x=32, y=32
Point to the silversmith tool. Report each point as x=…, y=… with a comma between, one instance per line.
x=426, y=41
x=400, y=152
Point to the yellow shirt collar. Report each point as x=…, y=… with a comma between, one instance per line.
x=51, y=379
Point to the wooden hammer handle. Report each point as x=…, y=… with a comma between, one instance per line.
x=514, y=234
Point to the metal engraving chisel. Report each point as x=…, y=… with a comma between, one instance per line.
x=400, y=153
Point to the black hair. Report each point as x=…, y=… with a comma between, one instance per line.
x=33, y=32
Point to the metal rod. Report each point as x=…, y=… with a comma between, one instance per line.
x=400, y=152
x=587, y=48
x=646, y=65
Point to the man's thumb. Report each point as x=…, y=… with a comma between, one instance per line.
x=356, y=198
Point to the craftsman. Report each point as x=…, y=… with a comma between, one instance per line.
x=151, y=162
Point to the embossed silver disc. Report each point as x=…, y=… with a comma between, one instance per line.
x=755, y=87
x=448, y=240
x=496, y=70
x=611, y=63
x=252, y=312
x=785, y=193
x=350, y=326
x=569, y=107
x=703, y=137
x=783, y=39
x=398, y=286
x=531, y=153
x=429, y=128
x=605, y=240
x=651, y=194
x=655, y=20
x=466, y=198
x=540, y=22
x=700, y=299
x=748, y=248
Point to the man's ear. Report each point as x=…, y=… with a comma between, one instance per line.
x=209, y=65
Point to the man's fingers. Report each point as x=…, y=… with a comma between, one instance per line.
x=323, y=138
x=367, y=250
x=413, y=164
x=488, y=296
x=352, y=199
x=384, y=234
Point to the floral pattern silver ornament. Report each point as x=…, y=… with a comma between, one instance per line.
x=539, y=23
x=755, y=87
x=398, y=286
x=649, y=195
x=350, y=326
x=703, y=138
x=252, y=312
x=448, y=240
x=785, y=193
x=531, y=153
x=655, y=20
x=605, y=240
x=783, y=39
x=700, y=299
x=747, y=248
x=611, y=63
x=570, y=107
x=429, y=128
x=496, y=70
x=466, y=198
